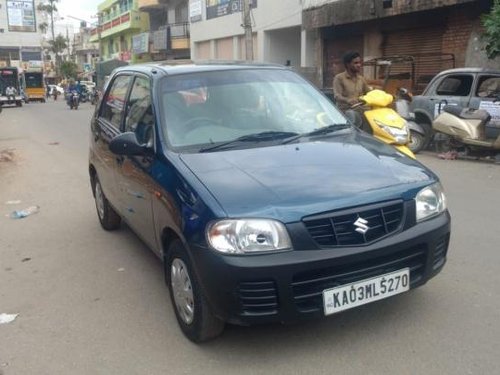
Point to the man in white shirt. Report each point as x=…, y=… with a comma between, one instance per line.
x=11, y=92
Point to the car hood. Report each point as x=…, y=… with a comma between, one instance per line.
x=291, y=181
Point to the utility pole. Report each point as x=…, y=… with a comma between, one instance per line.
x=247, y=25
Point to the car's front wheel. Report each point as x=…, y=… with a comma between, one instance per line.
x=194, y=315
x=108, y=217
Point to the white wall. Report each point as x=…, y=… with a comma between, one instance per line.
x=269, y=15
x=281, y=45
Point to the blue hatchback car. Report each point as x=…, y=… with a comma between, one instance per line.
x=262, y=201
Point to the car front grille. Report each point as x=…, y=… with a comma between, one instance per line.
x=345, y=228
x=308, y=287
x=258, y=298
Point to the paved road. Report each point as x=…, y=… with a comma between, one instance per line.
x=92, y=302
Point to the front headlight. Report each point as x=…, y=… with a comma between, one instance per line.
x=248, y=236
x=401, y=136
x=430, y=201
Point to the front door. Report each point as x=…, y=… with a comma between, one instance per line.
x=108, y=124
x=136, y=186
x=451, y=89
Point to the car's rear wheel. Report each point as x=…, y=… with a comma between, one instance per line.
x=194, y=315
x=108, y=217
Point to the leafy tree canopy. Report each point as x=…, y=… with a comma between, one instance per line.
x=59, y=44
x=491, y=23
x=69, y=70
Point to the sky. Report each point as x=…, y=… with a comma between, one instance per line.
x=83, y=9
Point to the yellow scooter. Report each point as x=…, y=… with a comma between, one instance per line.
x=383, y=122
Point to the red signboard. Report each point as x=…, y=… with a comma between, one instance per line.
x=115, y=22
x=107, y=26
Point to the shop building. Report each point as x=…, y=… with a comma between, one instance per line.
x=169, y=36
x=20, y=37
x=441, y=33
x=119, y=22
x=217, y=32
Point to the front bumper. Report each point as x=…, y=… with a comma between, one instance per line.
x=5, y=99
x=287, y=287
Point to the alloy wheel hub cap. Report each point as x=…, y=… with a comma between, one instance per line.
x=182, y=290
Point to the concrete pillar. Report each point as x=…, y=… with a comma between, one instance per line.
x=236, y=47
x=307, y=48
x=263, y=45
x=373, y=39
x=372, y=48
x=213, y=49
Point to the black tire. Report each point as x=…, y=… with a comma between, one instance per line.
x=108, y=217
x=417, y=141
x=204, y=325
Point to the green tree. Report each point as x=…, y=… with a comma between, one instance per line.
x=69, y=69
x=58, y=45
x=50, y=9
x=491, y=23
x=43, y=27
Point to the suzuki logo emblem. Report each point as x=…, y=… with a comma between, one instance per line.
x=361, y=226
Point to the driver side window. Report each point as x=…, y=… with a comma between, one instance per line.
x=140, y=117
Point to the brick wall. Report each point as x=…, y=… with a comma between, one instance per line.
x=340, y=12
x=457, y=35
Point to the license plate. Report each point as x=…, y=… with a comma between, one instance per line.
x=365, y=291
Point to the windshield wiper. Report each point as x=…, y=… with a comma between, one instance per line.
x=257, y=137
x=324, y=130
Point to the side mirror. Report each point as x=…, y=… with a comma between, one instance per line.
x=127, y=144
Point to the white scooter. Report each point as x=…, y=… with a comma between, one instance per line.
x=466, y=131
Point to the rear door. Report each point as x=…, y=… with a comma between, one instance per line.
x=486, y=92
x=108, y=125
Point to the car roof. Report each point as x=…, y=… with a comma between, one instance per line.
x=173, y=68
x=470, y=70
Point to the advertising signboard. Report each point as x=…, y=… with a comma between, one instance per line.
x=21, y=15
x=195, y=10
x=140, y=43
x=218, y=8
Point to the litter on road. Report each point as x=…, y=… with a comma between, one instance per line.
x=7, y=318
x=13, y=202
x=7, y=155
x=20, y=214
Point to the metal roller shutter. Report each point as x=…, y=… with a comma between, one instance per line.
x=425, y=45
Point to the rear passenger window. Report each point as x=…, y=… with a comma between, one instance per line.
x=488, y=87
x=458, y=85
x=139, y=118
x=114, y=102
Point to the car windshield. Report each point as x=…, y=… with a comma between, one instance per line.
x=247, y=106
